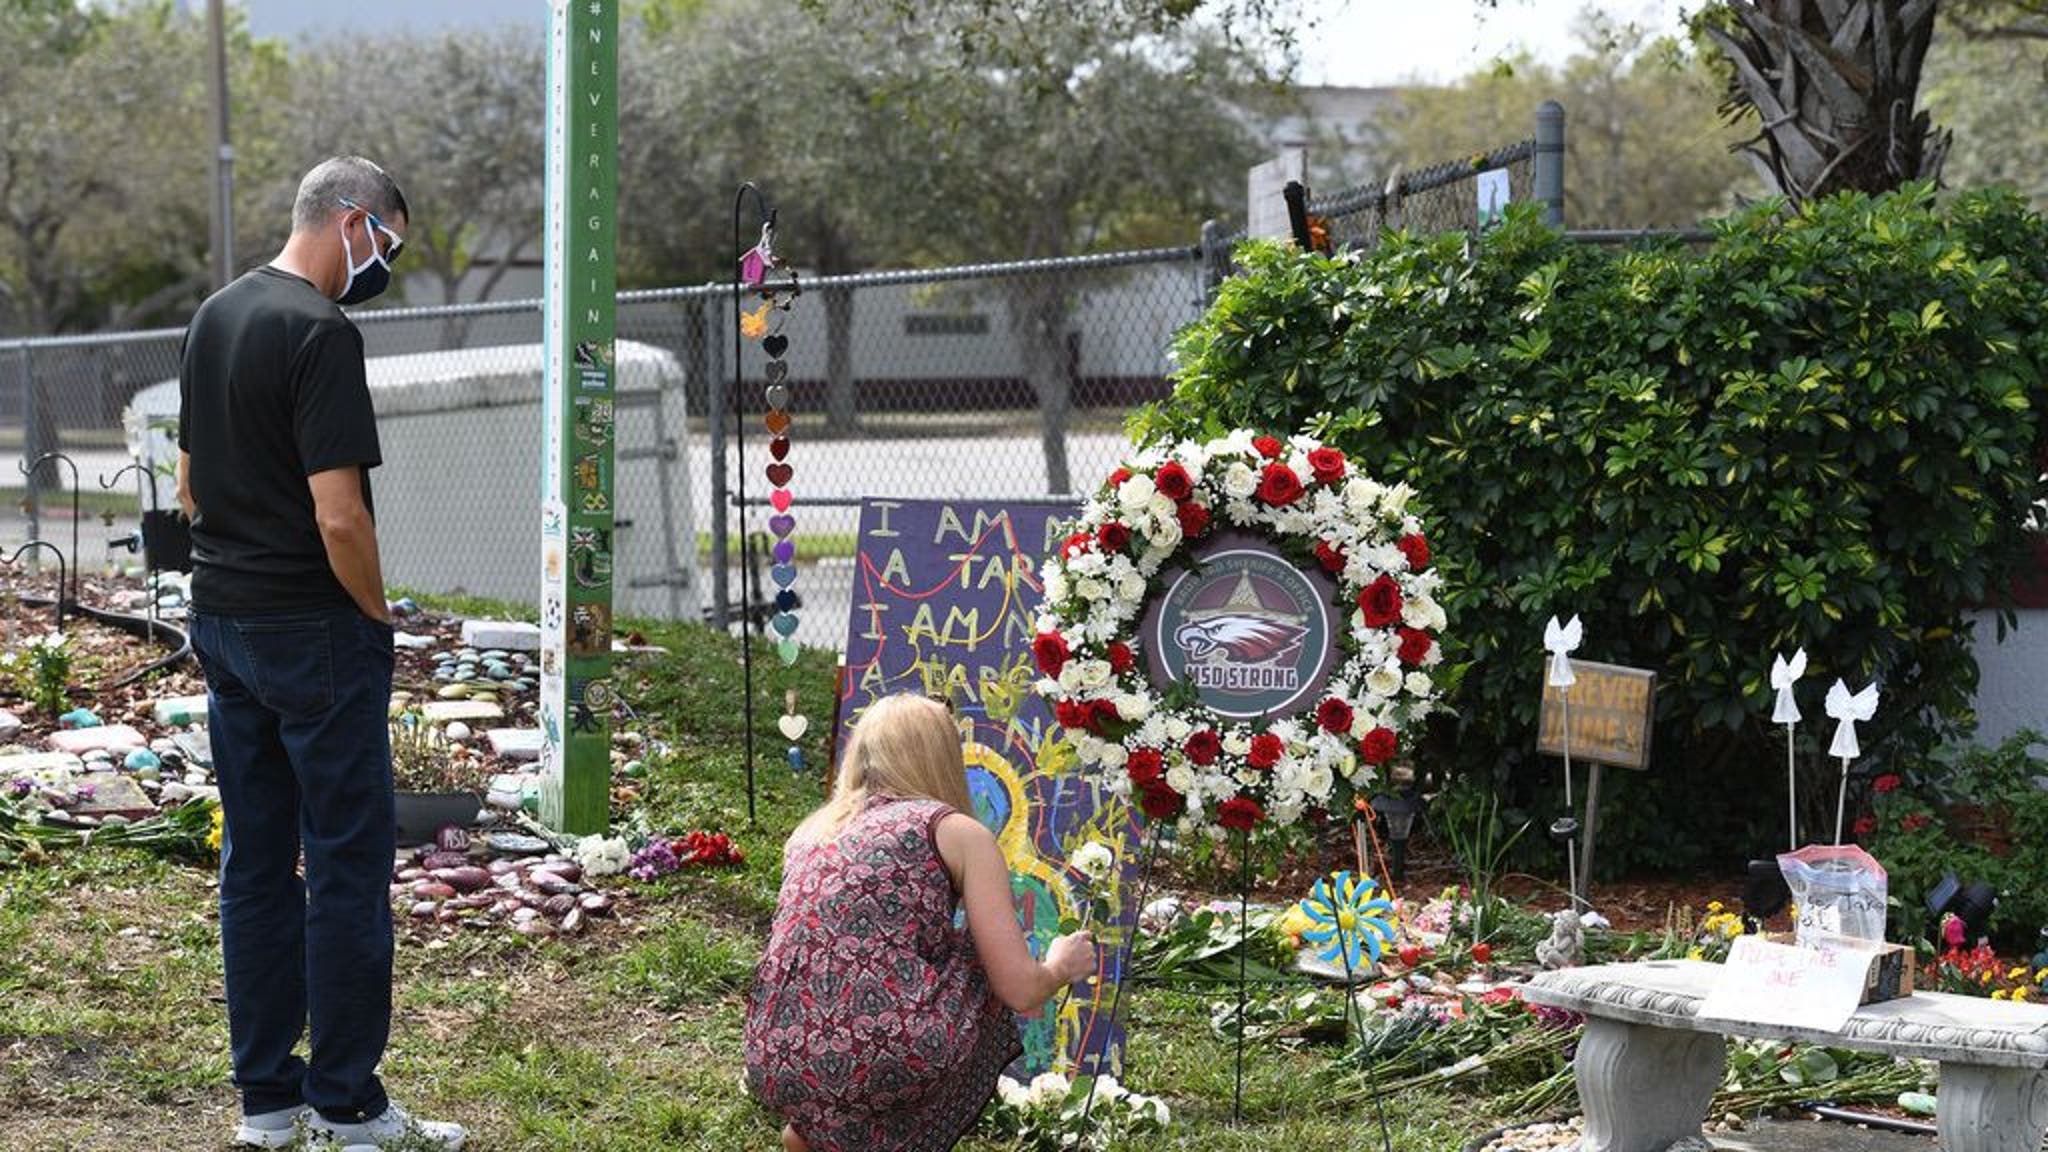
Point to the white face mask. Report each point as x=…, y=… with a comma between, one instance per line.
x=366, y=281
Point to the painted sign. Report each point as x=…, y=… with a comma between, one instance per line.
x=1246, y=627
x=1788, y=985
x=1611, y=712
x=944, y=601
x=579, y=392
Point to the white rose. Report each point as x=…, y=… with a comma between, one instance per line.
x=1237, y=744
x=1055, y=583
x=1013, y=1094
x=1416, y=613
x=1316, y=782
x=1070, y=676
x=1162, y=508
x=1362, y=495
x=1131, y=589
x=1418, y=684
x=1093, y=860
x=1113, y=756
x=1383, y=680
x=1136, y=493
x=1181, y=778
x=1048, y=1088
x=1178, y=729
x=1134, y=708
x=1095, y=673
x=1239, y=481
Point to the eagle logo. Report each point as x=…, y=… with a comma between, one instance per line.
x=1243, y=631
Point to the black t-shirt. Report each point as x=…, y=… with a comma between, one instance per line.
x=271, y=391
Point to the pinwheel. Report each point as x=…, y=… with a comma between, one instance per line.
x=1351, y=922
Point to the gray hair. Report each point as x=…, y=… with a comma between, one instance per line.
x=346, y=178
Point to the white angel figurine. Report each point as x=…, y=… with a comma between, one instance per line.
x=1784, y=674
x=1561, y=640
x=1848, y=709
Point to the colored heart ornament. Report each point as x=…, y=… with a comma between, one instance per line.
x=785, y=551
x=778, y=395
x=775, y=346
x=783, y=574
x=778, y=422
x=789, y=650
x=779, y=474
x=779, y=447
x=781, y=498
x=793, y=727
x=781, y=526
x=784, y=623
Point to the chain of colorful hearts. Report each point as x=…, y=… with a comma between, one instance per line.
x=765, y=324
x=1183, y=763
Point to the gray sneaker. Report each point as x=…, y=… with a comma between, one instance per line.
x=394, y=1131
x=279, y=1129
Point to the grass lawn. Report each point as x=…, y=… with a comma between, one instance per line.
x=113, y=1032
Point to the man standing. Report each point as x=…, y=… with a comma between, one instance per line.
x=276, y=438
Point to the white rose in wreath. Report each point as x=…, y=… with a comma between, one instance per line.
x=1239, y=482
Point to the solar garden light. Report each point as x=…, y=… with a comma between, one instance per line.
x=1398, y=809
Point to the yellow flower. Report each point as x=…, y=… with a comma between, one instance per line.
x=1713, y=906
x=213, y=834
x=1998, y=995
x=2041, y=977
x=1696, y=954
x=2020, y=993
x=754, y=325
x=2016, y=974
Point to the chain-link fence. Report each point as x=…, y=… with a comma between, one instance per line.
x=991, y=382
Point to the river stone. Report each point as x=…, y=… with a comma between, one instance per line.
x=444, y=711
x=505, y=635
x=79, y=741
x=142, y=758
x=10, y=726
x=179, y=710
x=516, y=744
x=196, y=746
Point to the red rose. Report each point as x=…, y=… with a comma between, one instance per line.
x=1120, y=658
x=1864, y=826
x=1072, y=714
x=1379, y=746
x=1113, y=536
x=1075, y=545
x=1889, y=782
x=1101, y=714
x=1240, y=813
x=1203, y=747
x=1117, y=478
x=1279, y=486
x=1159, y=801
x=1332, y=558
x=1194, y=519
x=1145, y=765
x=1051, y=651
x=1327, y=464
x=1415, y=646
x=1269, y=446
x=1266, y=750
x=1914, y=822
x=1172, y=481
x=1482, y=953
x=1416, y=549
x=1334, y=715
x=1380, y=602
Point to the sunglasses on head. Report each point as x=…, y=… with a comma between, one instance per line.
x=397, y=241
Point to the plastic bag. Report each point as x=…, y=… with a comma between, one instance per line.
x=1840, y=892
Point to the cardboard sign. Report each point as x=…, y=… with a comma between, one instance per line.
x=945, y=601
x=1787, y=985
x=1611, y=712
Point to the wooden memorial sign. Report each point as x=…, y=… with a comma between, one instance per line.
x=1612, y=709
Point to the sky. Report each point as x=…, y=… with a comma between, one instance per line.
x=1365, y=43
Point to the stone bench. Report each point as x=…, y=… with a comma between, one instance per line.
x=1648, y=1067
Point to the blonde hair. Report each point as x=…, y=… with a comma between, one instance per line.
x=904, y=746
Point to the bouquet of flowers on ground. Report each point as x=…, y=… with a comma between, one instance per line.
x=1054, y=1114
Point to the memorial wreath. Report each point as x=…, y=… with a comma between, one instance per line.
x=1161, y=517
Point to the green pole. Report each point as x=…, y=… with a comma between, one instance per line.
x=578, y=394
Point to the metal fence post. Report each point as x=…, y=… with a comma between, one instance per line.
x=31, y=447
x=1215, y=248
x=1549, y=175
x=715, y=411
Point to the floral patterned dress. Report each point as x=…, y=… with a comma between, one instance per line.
x=870, y=1026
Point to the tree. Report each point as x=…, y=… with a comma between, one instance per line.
x=1643, y=147
x=458, y=120
x=1992, y=92
x=1999, y=19
x=1834, y=85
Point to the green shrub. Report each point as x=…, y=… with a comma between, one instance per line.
x=1822, y=429
x=1979, y=813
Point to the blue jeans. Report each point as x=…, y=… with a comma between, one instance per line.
x=298, y=709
